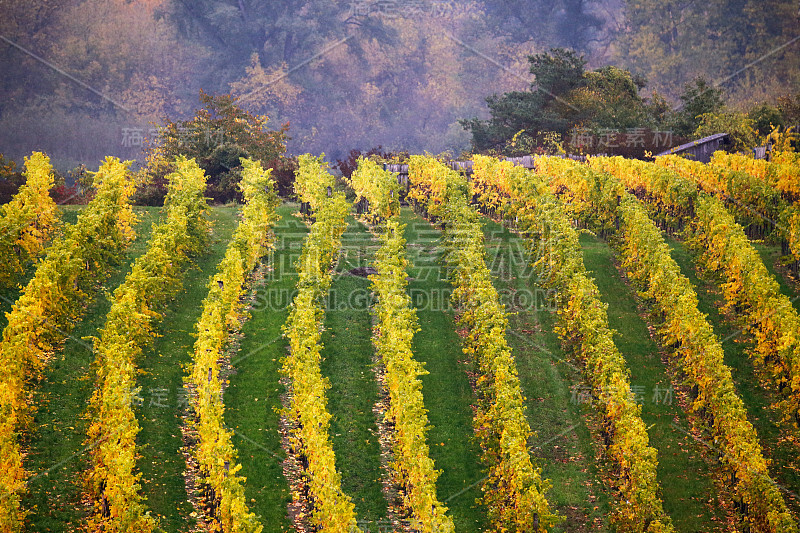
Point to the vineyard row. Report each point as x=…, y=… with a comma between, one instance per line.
x=65, y=281
x=130, y=326
x=214, y=451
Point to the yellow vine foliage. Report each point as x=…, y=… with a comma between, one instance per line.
x=135, y=310
x=27, y=222
x=413, y=469
x=695, y=349
x=69, y=275
x=647, y=260
x=781, y=173
x=723, y=247
x=433, y=184
x=752, y=199
x=215, y=453
x=312, y=180
x=332, y=509
x=378, y=187
x=514, y=489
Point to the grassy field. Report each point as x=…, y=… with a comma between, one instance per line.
x=163, y=399
x=564, y=445
x=347, y=363
x=446, y=387
x=57, y=451
x=252, y=399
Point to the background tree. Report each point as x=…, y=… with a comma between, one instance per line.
x=789, y=106
x=699, y=97
x=737, y=125
x=745, y=46
x=11, y=179
x=564, y=97
x=217, y=137
x=570, y=23
x=766, y=118
x=544, y=107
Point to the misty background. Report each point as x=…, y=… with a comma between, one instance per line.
x=82, y=79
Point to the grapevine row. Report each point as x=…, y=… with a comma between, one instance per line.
x=28, y=220
x=752, y=291
x=313, y=183
x=583, y=327
x=671, y=197
x=792, y=160
x=695, y=348
x=51, y=303
x=379, y=189
x=393, y=334
x=723, y=247
x=647, y=260
x=215, y=453
x=753, y=200
x=332, y=510
x=513, y=489
x=155, y=277
x=781, y=173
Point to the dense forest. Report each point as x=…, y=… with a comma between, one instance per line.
x=87, y=78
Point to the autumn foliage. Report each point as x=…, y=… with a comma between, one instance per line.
x=413, y=469
x=694, y=348
x=130, y=326
x=513, y=489
x=51, y=303
x=332, y=510
x=28, y=220
x=222, y=310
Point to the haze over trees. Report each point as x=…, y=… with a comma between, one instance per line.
x=87, y=78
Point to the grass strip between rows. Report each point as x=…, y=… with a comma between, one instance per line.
x=513, y=490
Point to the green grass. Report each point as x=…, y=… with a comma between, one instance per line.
x=785, y=467
x=347, y=362
x=163, y=399
x=57, y=452
x=69, y=213
x=563, y=444
x=446, y=389
x=685, y=476
x=253, y=396
x=8, y=296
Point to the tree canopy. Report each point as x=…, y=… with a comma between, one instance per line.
x=219, y=135
x=563, y=97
